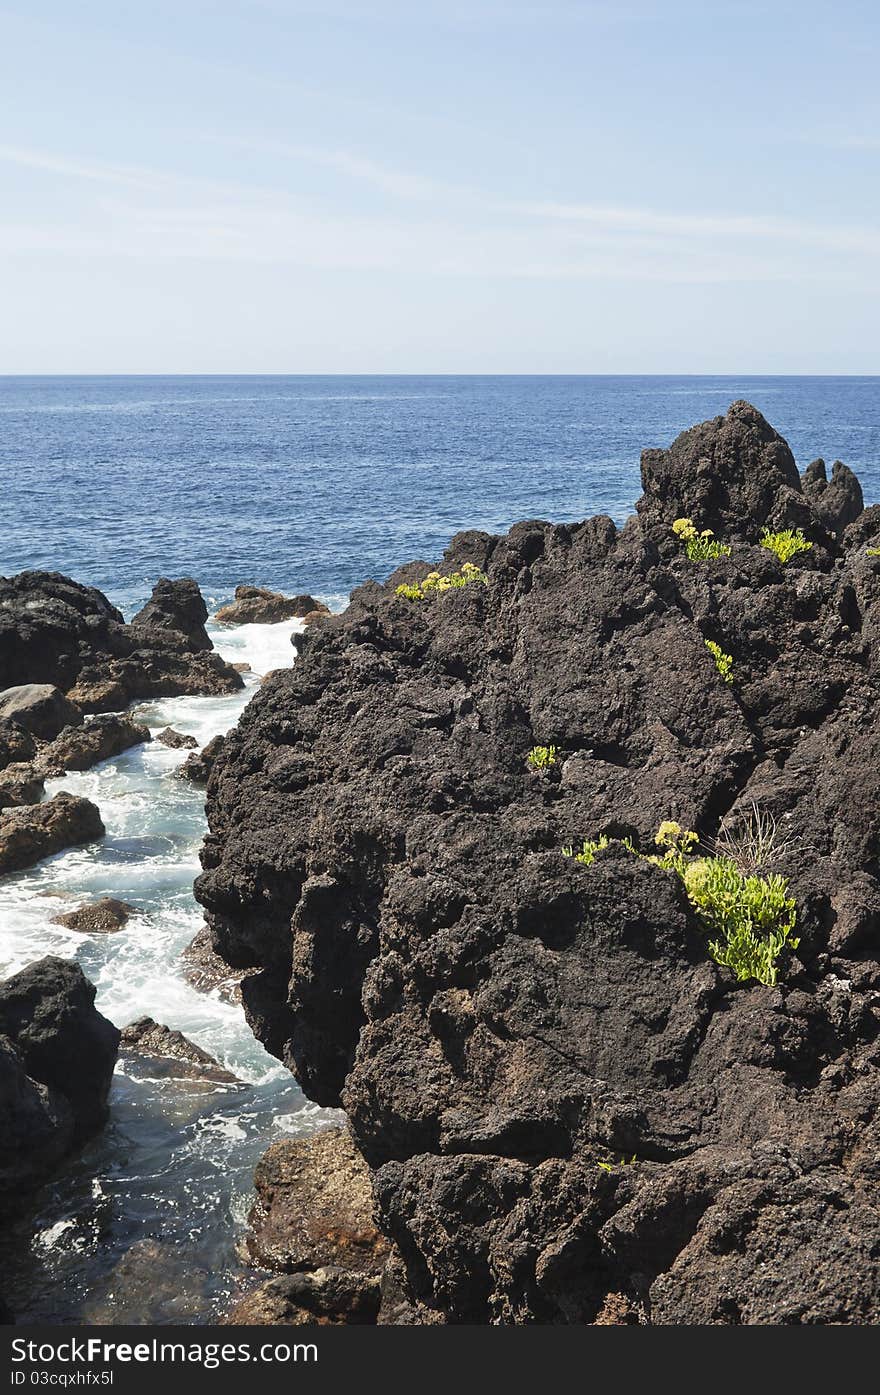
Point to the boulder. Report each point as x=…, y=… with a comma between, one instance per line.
x=176, y=739
x=176, y=1056
x=101, y=738
x=570, y=1111
x=315, y=1208
x=202, y=967
x=197, y=767
x=57, y=1055
x=178, y=606
x=39, y=708
x=103, y=917
x=34, y=831
x=254, y=605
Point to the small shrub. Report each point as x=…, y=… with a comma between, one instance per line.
x=874, y=551
x=700, y=547
x=723, y=662
x=751, y=918
x=435, y=582
x=786, y=544
x=541, y=757
x=587, y=854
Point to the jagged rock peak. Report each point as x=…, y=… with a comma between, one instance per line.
x=734, y=474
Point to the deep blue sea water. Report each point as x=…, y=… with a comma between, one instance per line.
x=315, y=483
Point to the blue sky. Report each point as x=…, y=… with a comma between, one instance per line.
x=494, y=186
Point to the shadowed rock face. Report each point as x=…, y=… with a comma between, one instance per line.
x=54, y=631
x=569, y=1110
x=56, y=1062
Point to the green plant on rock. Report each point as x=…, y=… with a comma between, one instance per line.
x=700, y=547
x=723, y=662
x=587, y=854
x=786, y=544
x=433, y=582
x=874, y=551
x=750, y=918
x=541, y=757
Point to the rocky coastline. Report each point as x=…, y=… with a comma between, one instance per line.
x=448, y=876
x=572, y=1112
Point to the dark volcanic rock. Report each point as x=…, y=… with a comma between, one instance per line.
x=315, y=1207
x=177, y=606
x=101, y=738
x=838, y=501
x=254, y=605
x=176, y=739
x=197, y=767
x=54, y=631
x=102, y=917
x=56, y=1061
x=180, y=1058
x=40, y=708
x=571, y=1113
x=16, y=744
x=206, y=971
x=34, y=831
x=733, y=474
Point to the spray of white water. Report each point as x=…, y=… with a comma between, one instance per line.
x=174, y=1166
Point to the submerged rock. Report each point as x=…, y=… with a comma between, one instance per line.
x=323, y=1296
x=176, y=739
x=155, y=1281
x=177, y=1056
x=104, y=917
x=255, y=605
x=57, y=1055
x=570, y=1111
x=54, y=631
x=31, y=832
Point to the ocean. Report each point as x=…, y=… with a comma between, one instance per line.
x=301, y=484
x=316, y=483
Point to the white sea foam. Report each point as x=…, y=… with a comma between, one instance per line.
x=149, y=857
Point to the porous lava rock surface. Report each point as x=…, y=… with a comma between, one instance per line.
x=571, y=1113
x=55, y=631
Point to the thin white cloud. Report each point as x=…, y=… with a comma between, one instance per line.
x=153, y=214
